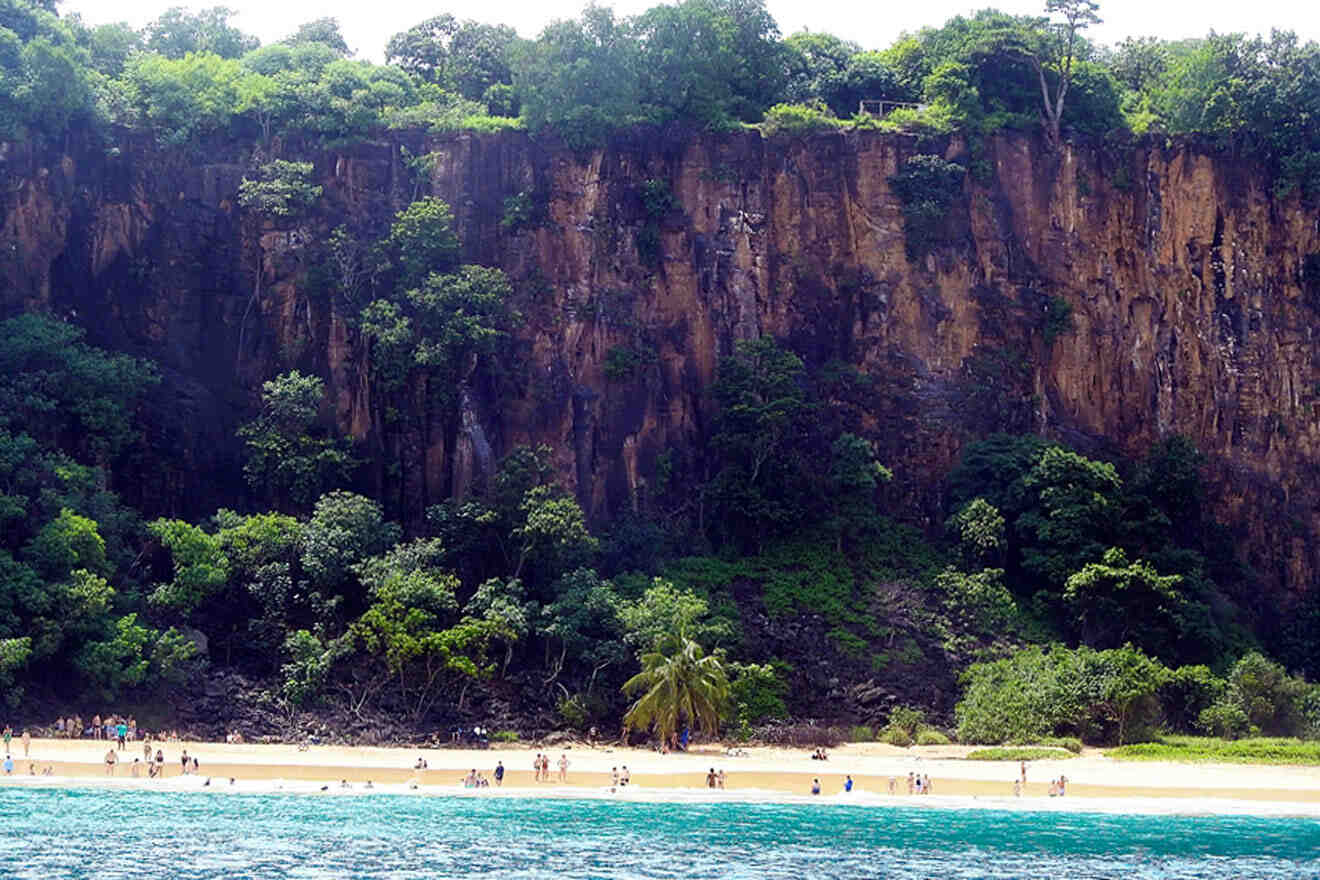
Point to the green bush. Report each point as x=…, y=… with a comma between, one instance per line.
x=518, y=212
x=505, y=736
x=1094, y=695
x=756, y=692
x=1225, y=719
x=799, y=119
x=895, y=736
x=572, y=712
x=928, y=187
x=861, y=733
x=932, y=737
x=1189, y=691
x=1058, y=319
x=624, y=362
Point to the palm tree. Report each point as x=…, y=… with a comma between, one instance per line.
x=681, y=685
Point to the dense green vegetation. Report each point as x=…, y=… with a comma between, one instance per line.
x=710, y=63
x=1066, y=595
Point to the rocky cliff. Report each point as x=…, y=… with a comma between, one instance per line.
x=1192, y=305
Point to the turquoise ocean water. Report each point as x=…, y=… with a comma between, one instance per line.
x=107, y=834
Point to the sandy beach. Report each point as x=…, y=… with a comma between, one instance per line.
x=1094, y=782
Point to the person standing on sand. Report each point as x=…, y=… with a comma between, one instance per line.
x=110, y=759
x=614, y=776
x=1017, y=788
x=183, y=760
x=27, y=743
x=1022, y=767
x=815, y=786
x=9, y=734
x=160, y=764
x=720, y=777
x=912, y=781
x=847, y=783
x=626, y=776
x=711, y=779
x=563, y=767
x=499, y=774
x=146, y=749
x=96, y=727
x=121, y=733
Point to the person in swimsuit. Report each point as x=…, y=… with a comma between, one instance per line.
x=563, y=767
x=614, y=776
x=719, y=779
x=847, y=783
x=110, y=759
x=626, y=777
x=499, y=774
x=815, y=786
x=183, y=759
x=711, y=779
x=160, y=763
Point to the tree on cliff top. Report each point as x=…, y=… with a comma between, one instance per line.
x=1077, y=15
x=179, y=32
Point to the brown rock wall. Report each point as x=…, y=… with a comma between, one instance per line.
x=1182, y=269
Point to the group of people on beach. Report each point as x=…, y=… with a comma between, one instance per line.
x=117, y=728
x=155, y=764
x=25, y=738
x=541, y=766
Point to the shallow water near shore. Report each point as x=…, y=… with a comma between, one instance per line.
x=89, y=832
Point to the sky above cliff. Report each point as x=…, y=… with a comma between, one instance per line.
x=367, y=26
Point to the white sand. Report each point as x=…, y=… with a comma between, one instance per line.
x=1095, y=783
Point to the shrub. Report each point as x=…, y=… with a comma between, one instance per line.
x=1189, y=691
x=623, y=362
x=1224, y=719
x=1095, y=695
x=1266, y=694
x=927, y=186
x=518, y=212
x=505, y=736
x=572, y=712
x=895, y=736
x=861, y=733
x=932, y=737
x=799, y=119
x=1058, y=319
x=756, y=692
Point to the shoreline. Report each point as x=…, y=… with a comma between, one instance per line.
x=763, y=775
x=1125, y=805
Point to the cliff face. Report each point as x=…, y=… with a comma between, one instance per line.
x=1190, y=307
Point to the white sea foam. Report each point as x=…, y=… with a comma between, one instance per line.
x=636, y=793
